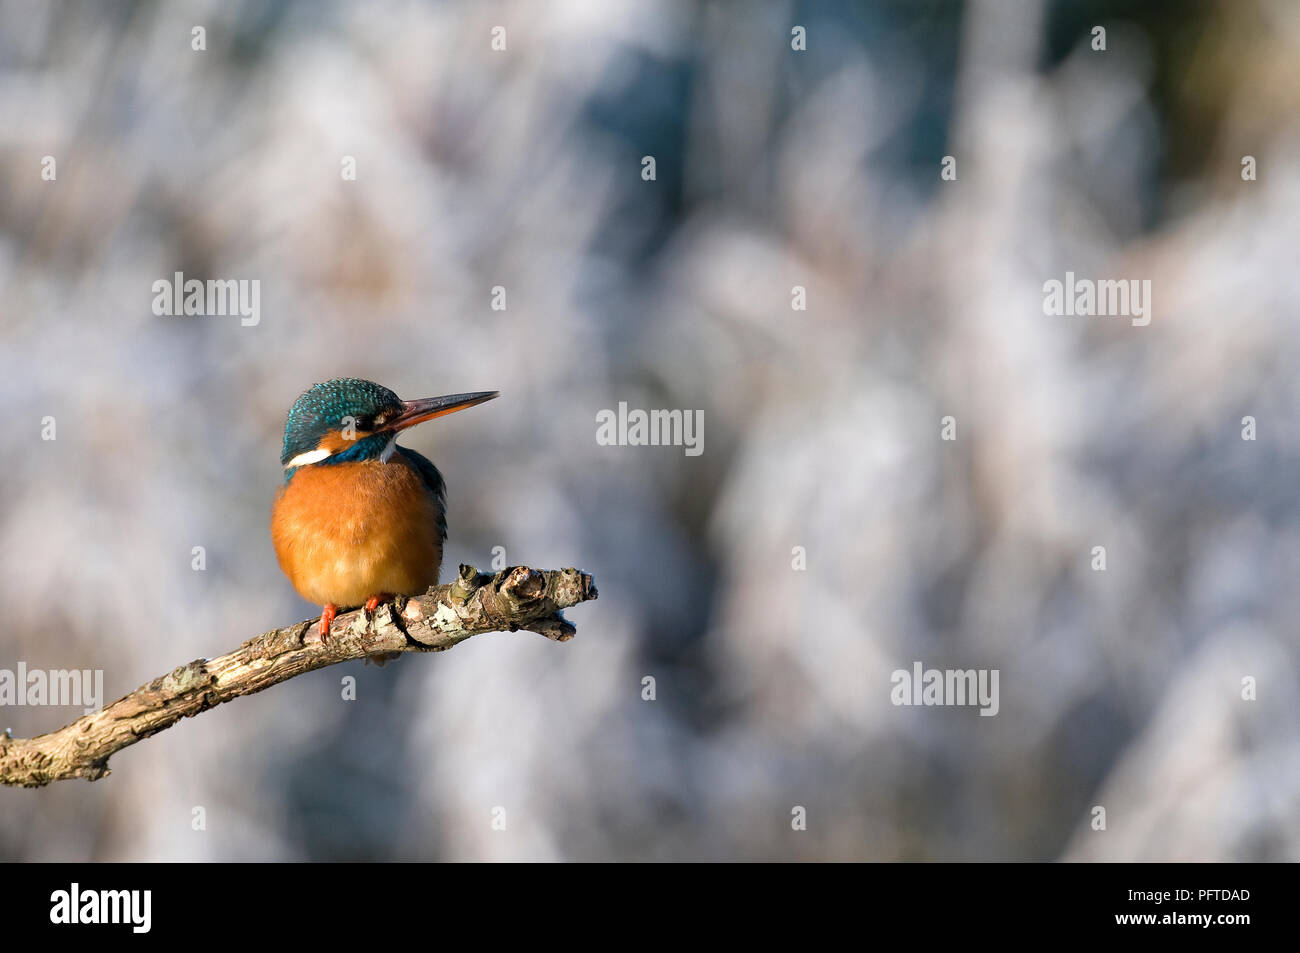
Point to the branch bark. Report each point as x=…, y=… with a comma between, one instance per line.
x=514, y=599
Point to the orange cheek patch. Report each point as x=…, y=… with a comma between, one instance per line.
x=334, y=441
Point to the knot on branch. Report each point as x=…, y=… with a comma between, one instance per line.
x=523, y=585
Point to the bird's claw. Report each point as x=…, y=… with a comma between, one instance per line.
x=326, y=620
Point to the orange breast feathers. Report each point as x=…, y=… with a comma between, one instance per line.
x=344, y=532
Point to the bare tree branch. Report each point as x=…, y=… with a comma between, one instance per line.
x=513, y=599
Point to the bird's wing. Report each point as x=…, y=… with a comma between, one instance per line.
x=433, y=481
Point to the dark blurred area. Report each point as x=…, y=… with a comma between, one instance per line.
x=521, y=169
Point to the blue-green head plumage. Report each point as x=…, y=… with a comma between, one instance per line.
x=347, y=405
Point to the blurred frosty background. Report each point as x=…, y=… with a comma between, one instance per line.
x=775, y=168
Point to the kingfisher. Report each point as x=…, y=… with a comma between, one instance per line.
x=358, y=518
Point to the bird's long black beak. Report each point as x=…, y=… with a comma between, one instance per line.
x=418, y=411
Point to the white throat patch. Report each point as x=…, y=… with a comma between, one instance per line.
x=311, y=456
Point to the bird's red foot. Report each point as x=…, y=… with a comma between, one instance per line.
x=373, y=602
x=327, y=619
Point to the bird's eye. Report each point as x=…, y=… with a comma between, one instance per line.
x=365, y=423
